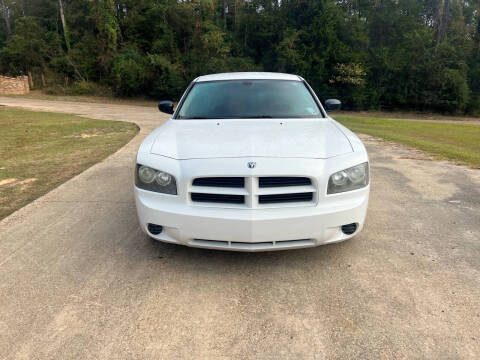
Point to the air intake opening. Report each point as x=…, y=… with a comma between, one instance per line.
x=285, y=198
x=218, y=198
x=224, y=182
x=155, y=229
x=349, y=229
x=281, y=181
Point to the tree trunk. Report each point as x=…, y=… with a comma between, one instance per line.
x=442, y=19
x=245, y=37
x=64, y=25
x=445, y=17
x=478, y=30
x=30, y=80
x=67, y=39
x=6, y=17
x=225, y=13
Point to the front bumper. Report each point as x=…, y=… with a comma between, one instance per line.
x=252, y=229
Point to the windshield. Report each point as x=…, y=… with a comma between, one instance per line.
x=240, y=99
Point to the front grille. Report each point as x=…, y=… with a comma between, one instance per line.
x=285, y=198
x=218, y=198
x=224, y=182
x=278, y=181
x=254, y=192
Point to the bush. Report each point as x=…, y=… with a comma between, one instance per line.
x=129, y=72
x=89, y=88
x=452, y=93
x=55, y=90
x=165, y=79
x=82, y=87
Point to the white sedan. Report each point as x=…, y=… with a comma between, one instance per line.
x=251, y=162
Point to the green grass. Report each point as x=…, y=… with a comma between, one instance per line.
x=39, y=151
x=457, y=142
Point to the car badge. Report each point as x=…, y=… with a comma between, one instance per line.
x=251, y=164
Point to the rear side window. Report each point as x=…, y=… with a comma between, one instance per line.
x=237, y=99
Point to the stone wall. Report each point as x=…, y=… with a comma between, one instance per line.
x=14, y=86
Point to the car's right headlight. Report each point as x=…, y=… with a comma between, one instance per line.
x=155, y=180
x=349, y=179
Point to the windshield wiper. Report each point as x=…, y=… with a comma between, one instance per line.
x=259, y=117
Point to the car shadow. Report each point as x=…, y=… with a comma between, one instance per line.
x=327, y=255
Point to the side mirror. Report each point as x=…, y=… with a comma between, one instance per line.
x=166, y=106
x=333, y=104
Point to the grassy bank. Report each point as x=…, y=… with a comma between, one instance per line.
x=408, y=115
x=457, y=142
x=39, y=151
x=39, y=95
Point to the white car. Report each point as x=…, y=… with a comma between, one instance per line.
x=251, y=162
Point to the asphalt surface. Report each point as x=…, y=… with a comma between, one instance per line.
x=78, y=279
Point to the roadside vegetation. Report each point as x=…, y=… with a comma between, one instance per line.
x=39, y=151
x=459, y=142
x=409, y=115
x=41, y=95
x=418, y=55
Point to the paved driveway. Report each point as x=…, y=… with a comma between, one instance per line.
x=78, y=280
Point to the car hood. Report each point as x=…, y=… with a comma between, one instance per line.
x=285, y=138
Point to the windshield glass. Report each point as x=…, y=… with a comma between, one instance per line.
x=235, y=99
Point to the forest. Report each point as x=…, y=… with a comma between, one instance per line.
x=419, y=55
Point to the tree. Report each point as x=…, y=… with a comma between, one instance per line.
x=409, y=54
x=26, y=49
x=64, y=25
x=104, y=13
x=5, y=10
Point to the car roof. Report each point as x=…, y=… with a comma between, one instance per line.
x=248, y=76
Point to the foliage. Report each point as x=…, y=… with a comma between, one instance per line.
x=81, y=87
x=104, y=13
x=129, y=72
x=26, y=49
x=409, y=54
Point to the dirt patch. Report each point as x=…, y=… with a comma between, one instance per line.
x=14, y=182
x=86, y=136
x=7, y=181
x=424, y=177
x=405, y=152
x=27, y=181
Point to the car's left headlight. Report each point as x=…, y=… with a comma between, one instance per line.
x=349, y=179
x=155, y=180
